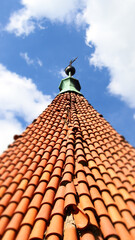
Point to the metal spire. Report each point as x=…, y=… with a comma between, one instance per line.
x=70, y=84
x=70, y=63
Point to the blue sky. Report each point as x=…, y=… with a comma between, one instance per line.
x=37, y=41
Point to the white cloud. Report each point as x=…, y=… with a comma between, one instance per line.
x=41, y=26
x=109, y=27
x=39, y=62
x=33, y=12
x=19, y=97
x=30, y=61
x=9, y=126
x=111, y=31
x=62, y=73
x=21, y=23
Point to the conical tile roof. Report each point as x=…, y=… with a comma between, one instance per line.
x=70, y=175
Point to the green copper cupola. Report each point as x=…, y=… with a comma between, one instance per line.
x=70, y=84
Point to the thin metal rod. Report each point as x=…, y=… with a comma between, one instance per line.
x=70, y=74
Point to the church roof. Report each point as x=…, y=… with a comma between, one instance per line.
x=69, y=175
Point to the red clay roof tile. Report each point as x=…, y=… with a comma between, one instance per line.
x=38, y=230
x=107, y=228
x=24, y=233
x=81, y=219
x=122, y=231
x=36, y=201
x=10, y=234
x=44, y=212
x=29, y=217
x=56, y=226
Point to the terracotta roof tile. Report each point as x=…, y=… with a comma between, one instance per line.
x=81, y=219
x=107, y=228
x=56, y=227
x=24, y=233
x=38, y=230
x=49, y=197
x=69, y=175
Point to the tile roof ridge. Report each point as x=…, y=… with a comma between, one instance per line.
x=69, y=162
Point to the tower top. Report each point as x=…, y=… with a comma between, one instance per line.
x=70, y=84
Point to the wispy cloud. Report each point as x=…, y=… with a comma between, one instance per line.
x=20, y=23
x=28, y=60
x=41, y=25
x=18, y=97
x=62, y=73
x=31, y=61
x=109, y=28
x=39, y=62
